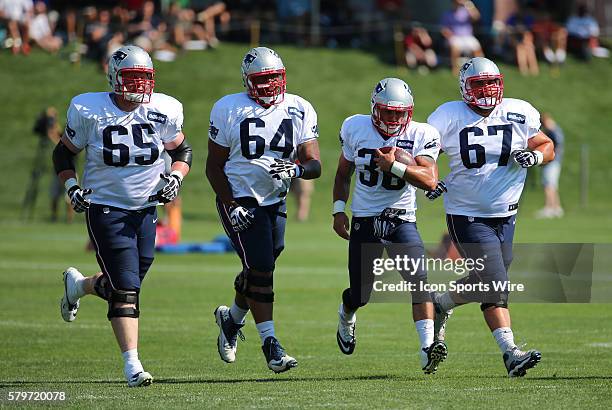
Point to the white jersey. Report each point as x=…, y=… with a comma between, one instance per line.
x=123, y=160
x=256, y=136
x=484, y=181
x=373, y=190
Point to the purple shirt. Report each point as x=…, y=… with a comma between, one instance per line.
x=458, y=21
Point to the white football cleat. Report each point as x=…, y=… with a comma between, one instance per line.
x=432, y=356
x=278, y=361
x=69, y=304
x=227, y=342
x=518, y=362
x=345, y=336
x=140, y=379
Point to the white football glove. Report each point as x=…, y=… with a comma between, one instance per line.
x=241, y=218
x=440, y=189
x=77, y=198
x=285, y=170
x=386, y=222
x=526, y=158
x=169, y=191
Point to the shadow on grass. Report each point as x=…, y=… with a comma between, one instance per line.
x=13, y=383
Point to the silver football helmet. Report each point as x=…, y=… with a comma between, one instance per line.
x=391, y=106
x=263, y=74
x=126, y=67
x=481, y=83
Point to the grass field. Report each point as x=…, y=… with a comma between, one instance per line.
x=42, y=353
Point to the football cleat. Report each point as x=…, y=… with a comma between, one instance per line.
x=140, y=379
x=345, y=336
x=432, y=356
x=440, y=319
x=518, y=362
x=227, y=342
x=278, y=360
x=69, y=304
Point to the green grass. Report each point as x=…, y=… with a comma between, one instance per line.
x=40, y=352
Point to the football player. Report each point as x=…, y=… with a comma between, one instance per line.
x=255, y=138
x=490, y=143
x=384, y=206
x=124, y=133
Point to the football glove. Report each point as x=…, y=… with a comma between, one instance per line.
x=77, y=198
x=526, y=158
x=241, y=218
x=169, y=191
x=386, y=222
x=440, y=189
x=285, y=170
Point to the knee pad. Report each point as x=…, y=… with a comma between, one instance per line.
x=103, y=288
x=501, y=304
x=123, y=296
x=247, y=278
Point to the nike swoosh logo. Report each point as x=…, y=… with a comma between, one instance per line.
x=155, y=220
x=345, y=345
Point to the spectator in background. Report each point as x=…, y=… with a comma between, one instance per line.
x=214, y=9
x=41, y=31
x=18, y=14
x=583, y=32
x=419, y=49
x=294, y=15
x=551, y=38
x=458, y=31
x=552, y=170
x=302, y=190
x=521, y=38
x=183, y=30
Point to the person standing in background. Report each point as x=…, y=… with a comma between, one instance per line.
x=552, y=170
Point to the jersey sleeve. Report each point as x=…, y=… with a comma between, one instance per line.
x=344, y=138
x=532, y=121
x=175, y=123
x=428, y=144
x=76, y=126
x=217, y=127
x=440, y=121
x=311, y=127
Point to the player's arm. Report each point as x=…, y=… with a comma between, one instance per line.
x=342, y=186
x=310, y=159
x=423, y=175
x=215, y=164
x=63, y=162
x=180, y=152
x=541, y=150
x=542, y=143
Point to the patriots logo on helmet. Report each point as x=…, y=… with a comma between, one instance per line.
x=119, y=56
x=248, y=59
x=466, y=66
x=379, y=88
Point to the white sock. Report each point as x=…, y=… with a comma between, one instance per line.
x=265, y=329
x=238, y=313
x=446, y=302
x=504, y=338
x=131, y=363
x=347, y=317
x=80, y=291
x=425, y=329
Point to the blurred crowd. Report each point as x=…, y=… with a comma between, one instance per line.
x=520, y=31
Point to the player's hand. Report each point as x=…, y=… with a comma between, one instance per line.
x=170, y=191
x=241, y=218
x=341, y=225
x=77, y=198
x=285, y=170
x=440, y=189
x=526, y=158
x=385, y=161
